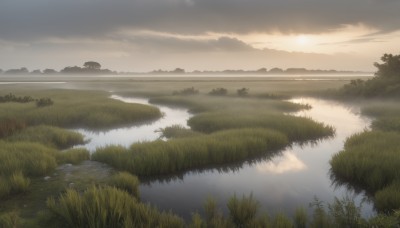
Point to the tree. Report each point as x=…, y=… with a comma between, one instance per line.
x=92, y=65
x=243, y=92
x=390, y=68
x=49, y=71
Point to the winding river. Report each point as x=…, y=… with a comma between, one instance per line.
x=281, y=183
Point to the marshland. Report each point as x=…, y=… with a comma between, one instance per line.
x=199, y=152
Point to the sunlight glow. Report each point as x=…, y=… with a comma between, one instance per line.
x=302, y=40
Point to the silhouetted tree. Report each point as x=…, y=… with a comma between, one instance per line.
x=276, y=70
x=22, y=70
x=178, y=71
x=49, y=71
x=36, y=72
x=390, y=66
x=92, y=65
x=262, y=70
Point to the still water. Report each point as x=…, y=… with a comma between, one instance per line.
x=281, y=183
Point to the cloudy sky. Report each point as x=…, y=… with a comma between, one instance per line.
x=142, y=35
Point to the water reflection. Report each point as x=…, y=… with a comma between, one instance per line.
x=288, y=162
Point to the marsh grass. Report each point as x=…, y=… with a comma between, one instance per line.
x=201, y=103
x=105, y=207
x=10, y=125
x=50, y=136
x=19, y=183
x=10, y=220
x=31, y=159
x=371, y=160
x=73, y=156
x=85, y=109
x=296, y=128
x=182, y=154
x=177, y=131
x=242, y=211
x=127, y=182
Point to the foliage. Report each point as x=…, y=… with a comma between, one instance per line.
x=43, y=102
x=9, y=126
x=386, y=82
x=83, y=109
x=181, y=154
x=177, y=131
x=10, y=220
x=50, y=136
x=126, y=181
x=371, y=160
x=296, y=128
x=73, y=156
x=12, y=98
x=243, y=92
x=242, y=211
x=106, y=207
x=186, y=91
x=218, y=92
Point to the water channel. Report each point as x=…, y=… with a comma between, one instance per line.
x=281, y=183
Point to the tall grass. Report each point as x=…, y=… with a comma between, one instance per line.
x=242, y=211
x=371, y=160
x=73, y=156
x=296, y=128
x=126, y=181
x=105, y=207
x=31, y=159
x=84, y=109
x=199, y=104
x=50, y=136
x=177, y=131
x=178, y=155
x=10, y=125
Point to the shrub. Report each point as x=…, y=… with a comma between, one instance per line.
x=187, y=91
x=243, y=92
x=43, y=102
x=218, y=92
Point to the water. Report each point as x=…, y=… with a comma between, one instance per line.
x=128, y=135
x=290, y=179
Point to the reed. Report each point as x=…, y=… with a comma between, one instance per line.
x=178, y=155
x=105, y=207
x=73, y=156
x=50, y=136
x=31, y=159
x=85, y=109
x=177, y=131
x=296, y=128
x=371, y=160
x=242, y=211
x=127, y=182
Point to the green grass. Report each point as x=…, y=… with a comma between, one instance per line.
x=73, y=156
x=296, y=128
x=197, y=104
x=182, y=154
x=85, y=109
x=106, y=207
x=126, y=181
x=371, y=160
x=31, y=159
x=50, y=136
x=177, y=131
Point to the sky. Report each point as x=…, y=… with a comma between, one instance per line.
x=145, y=35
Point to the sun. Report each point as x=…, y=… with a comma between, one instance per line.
x=302, y=40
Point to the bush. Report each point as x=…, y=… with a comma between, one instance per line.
x=187, y=91
x=243, y=92
x=218, y=92
x=43, y=102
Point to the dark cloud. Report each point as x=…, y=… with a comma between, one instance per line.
x=27, y=19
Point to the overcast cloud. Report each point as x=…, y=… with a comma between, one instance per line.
x=29, y=19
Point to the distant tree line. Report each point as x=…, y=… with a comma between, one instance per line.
x=92, y=67
x=89, y=67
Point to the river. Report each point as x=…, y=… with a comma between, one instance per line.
x=292, y=178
